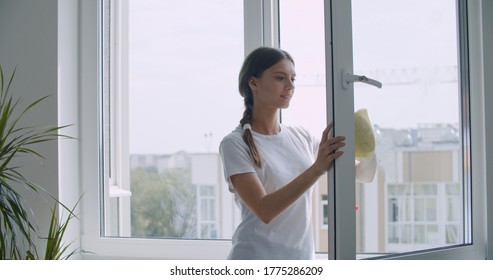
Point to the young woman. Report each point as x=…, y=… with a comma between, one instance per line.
x=271, y=167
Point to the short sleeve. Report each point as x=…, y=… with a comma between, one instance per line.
x=235, y=158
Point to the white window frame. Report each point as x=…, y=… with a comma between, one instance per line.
x=481, y=66
x=117, y=187
x=342, y=195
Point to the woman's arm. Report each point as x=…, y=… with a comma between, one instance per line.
x=268, y=206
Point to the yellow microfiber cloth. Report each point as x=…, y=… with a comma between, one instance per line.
x=364, y=145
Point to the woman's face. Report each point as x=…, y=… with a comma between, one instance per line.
x=275, y=87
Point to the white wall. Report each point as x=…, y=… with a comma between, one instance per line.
x=30, y=40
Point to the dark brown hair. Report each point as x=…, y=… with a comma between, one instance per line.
x=254, y=66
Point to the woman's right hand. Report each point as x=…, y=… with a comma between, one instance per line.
x=328, y=150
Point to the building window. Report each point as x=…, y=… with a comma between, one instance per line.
x=325, y=211
x=169, y=69
x=420, y=216
x=207, y=217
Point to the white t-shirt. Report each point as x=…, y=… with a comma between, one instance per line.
x=284, y=156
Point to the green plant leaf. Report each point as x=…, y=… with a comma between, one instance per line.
x=55, y=248
x=16, y=229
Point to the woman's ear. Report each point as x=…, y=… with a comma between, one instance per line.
x=252, y=82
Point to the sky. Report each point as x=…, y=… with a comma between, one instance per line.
x=184, y=64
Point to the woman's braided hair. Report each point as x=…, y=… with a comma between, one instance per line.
x=254, y=66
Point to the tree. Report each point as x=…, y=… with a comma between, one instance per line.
x=162, y=204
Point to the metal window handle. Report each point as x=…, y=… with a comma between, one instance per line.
x=350, y=78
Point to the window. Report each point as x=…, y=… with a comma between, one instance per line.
x=207, y=223
x=421, y=119
x=325, y=211
x=428, y=210
x=417, y=116
x=171, y=65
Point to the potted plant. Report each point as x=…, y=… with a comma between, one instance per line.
x=18, y=234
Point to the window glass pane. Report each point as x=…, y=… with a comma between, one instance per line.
x=393, y=210
x=419, y=209
x=406, y=233
x=453, y=189
x=183, y=63
x=431, y=210
x=452, y=209
x=406, y=210
x=392, y=189
x=393, y=234
x=301, y=34
x=451, y=232
x=419, y=234
x=432, y=233
x=325, y=209
x=411, y=47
